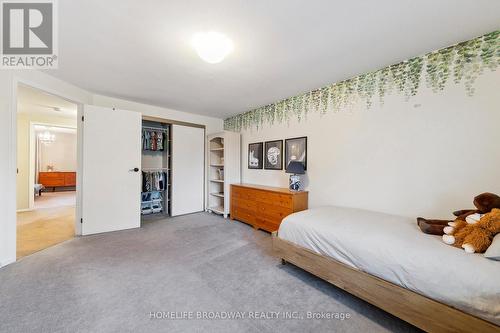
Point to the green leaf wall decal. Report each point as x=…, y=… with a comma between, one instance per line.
x=465, y=62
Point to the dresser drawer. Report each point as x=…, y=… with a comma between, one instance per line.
x=244, y=203
x=70, y=179
x=53, y=182
x=243, y=215
x=51, y=175
x=276, y=199
x=237, y=192
x=51, y=179
x=273, y=212
x=269, y=225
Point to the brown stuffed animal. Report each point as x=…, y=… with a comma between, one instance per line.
x=484, y=203
x=474, y=237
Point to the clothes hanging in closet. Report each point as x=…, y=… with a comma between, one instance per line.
x=153, y=140
x=154, y=181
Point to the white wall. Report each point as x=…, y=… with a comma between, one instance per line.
x=7, y=171
x=61, y=153
x=212, y=125
x=425, y=157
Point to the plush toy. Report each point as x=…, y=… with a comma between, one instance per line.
x=484, y=203
x=473, y=235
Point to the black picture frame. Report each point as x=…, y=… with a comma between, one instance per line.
x=273, y=155
x=299, y=151
x=255, y=152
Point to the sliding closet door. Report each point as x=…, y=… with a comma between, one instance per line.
x=111, y=180
x=188, y=169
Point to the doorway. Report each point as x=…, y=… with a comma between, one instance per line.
x=46, y=170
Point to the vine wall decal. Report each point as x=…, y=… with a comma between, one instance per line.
x=463, y=62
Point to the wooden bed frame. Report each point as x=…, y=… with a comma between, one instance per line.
x=418, y=310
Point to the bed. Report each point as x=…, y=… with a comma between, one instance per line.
x=386, y=260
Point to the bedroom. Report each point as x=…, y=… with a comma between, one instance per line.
x=385, y=107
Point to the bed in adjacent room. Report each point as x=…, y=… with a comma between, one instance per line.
x=386, y=260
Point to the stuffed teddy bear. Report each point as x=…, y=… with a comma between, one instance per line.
x=473, y=235
x=484, y=203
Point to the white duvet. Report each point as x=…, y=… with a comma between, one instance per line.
x=393, y=248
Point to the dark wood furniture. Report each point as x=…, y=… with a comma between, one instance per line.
x=57, y=179
x=421, y=311
x=264, y=207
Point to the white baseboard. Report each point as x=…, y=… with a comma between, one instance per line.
x=5, y=262
x=25, y=210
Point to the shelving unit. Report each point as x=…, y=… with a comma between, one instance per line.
x=218, y=209
x=157, y=203
x=223, y=166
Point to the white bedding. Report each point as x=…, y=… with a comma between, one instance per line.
x=394, y=249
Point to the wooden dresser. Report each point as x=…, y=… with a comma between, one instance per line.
x=57, y=179
x=264, y=207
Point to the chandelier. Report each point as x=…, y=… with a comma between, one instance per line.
x=46, y=137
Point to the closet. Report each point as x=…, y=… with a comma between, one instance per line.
x=188, y=169
x=173, y=173
x=156, y=169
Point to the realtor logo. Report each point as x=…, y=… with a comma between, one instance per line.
x=28, y=34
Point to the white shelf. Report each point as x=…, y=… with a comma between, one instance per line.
x=223, y=162
x=217, y=209
x=152, y=201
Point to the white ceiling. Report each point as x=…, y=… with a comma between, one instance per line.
x=31, y=100
x=139, y=50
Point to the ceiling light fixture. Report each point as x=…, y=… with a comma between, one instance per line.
x=47, y=137
x=212, y=46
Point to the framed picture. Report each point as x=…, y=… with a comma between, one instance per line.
x=296, y=150
x=273, y=155
x=255, y=155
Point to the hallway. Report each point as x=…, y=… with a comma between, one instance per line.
x=55, y=199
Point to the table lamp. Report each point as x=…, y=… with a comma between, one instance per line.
x=296, y=168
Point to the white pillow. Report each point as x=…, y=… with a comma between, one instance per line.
x=493, y=252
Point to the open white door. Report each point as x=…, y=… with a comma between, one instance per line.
x=188, y=169
x=111, y=181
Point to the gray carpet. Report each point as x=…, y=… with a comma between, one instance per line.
x=195, y=263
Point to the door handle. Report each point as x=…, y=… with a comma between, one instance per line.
x=134, y=170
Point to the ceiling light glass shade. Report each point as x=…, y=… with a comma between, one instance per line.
x=47, y=137
x=212, y=46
